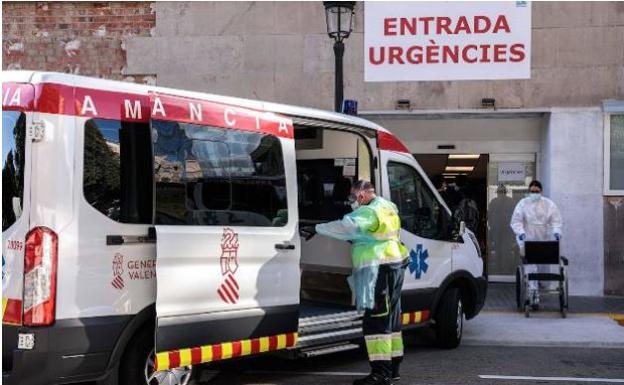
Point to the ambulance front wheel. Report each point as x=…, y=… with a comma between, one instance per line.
x=137, y=364
x=449, y=319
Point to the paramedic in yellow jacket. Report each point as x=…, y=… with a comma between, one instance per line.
x=379, y=261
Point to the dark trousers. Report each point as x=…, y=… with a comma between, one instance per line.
x=382, y=325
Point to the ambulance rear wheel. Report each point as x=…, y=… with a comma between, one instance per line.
x=137, y=364
x=450, y=319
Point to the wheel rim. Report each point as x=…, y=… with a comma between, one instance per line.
x=177, y=376
x=459, y=322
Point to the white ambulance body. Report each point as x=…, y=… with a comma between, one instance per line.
x=146, y=230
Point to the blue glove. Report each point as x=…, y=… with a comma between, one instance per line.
x=558, y=236
x=522, y=237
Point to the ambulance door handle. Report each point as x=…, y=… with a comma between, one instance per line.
x=116, y=240
x=284, y=246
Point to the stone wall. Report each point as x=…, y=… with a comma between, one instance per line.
x=280, y=52
x=73, y=37
x=574, y=181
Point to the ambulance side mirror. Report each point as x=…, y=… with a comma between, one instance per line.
x=17, y=206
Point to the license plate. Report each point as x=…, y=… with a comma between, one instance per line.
x=26, y=341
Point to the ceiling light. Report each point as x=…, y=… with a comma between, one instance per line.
x=464, y=156
x=459, y=168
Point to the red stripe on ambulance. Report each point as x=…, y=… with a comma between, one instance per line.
x=389, y=142
x=237, y=350
x=56, y=98
x=222, y=351
x=95, y=103
x=255, y=346
x=18, y=96
x=187, y=110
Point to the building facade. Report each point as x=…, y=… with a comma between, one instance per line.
x=563, y=126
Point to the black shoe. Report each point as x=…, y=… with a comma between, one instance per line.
x=396, y=364
x=373, y=379
x=395, y=375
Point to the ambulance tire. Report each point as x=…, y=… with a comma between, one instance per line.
x=449, y=319
x=132, y=365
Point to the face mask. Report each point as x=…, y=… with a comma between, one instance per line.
x=535, y=196
x=353, y=201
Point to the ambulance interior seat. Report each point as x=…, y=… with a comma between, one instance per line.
x=324, y=186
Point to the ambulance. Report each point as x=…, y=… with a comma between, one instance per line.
x=147, y=230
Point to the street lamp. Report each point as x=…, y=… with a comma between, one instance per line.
x=339, y=19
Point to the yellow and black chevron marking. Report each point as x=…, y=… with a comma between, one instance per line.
x=223, y=351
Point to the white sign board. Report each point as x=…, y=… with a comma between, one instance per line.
x=511, y=172
x=410, y=41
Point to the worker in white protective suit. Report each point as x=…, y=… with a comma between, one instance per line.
x=535, y=218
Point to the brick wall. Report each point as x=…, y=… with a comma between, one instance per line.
x=83, y=38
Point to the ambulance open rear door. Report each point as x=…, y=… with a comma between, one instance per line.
x=226, y=227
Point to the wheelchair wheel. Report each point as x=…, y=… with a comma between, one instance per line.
x=563, y=298
x=519, y=291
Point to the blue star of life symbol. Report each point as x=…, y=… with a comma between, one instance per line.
x=418, y=264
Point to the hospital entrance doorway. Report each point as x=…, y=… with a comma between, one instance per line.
x=495, y=183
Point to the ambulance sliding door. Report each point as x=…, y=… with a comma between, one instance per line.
x=226, y=225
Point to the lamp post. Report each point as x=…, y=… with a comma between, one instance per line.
x=339, y=19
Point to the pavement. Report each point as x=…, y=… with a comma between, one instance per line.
x=426, y=365
x=543, y=329
x=592, y=322
x=499, y=347
x=502, y=297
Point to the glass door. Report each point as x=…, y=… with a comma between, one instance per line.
x=508, y=179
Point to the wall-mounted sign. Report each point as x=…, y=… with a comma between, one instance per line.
x=511, y=172
x=409, y=41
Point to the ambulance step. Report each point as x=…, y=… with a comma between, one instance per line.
x=327, y=349
x=329, y=323
x=313, y=329
x=334, y=336
x=330, y=318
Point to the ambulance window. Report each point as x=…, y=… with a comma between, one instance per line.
x=420, y=212
x=13, y=159
x=117, y=176
x=213, y=176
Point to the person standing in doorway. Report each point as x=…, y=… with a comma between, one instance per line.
x=466, y=209
x=440, y=184
x=501, y=236
x=379, y=262
x=536, y=218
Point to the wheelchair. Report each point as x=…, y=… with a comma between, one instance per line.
x=544, y=253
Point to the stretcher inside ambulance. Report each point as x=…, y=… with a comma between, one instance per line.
x=147, y=230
